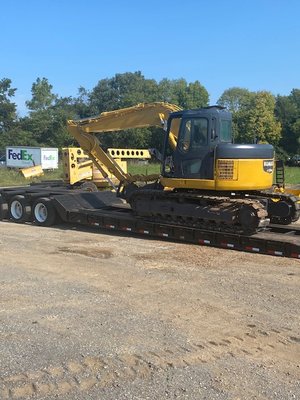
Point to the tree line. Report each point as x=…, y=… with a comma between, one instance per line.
x=257, y=116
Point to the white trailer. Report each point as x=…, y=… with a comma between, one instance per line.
x=24, y=156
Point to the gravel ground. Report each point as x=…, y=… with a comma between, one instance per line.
x=89, y=315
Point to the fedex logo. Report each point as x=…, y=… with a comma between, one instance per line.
x=49, y=158
x=21, y=155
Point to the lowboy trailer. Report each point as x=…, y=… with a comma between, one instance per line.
x=53, y=202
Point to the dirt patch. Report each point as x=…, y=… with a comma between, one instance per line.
x=93, y=315
x=93, y=253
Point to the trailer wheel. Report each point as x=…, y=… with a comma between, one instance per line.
x=88, y=187
x=44, y=213
x=19, y=209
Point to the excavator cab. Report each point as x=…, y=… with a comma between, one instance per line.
x=199, y=132
x=205, y=158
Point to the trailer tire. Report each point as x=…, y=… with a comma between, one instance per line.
x=19, y=209
x=3, y=208
x=88, y=187
x=44, y=213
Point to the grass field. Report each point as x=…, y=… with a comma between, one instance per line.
x=14, y=178
x=292, y=175
x=147, y=169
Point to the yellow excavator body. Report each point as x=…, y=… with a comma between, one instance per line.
x=233, y=175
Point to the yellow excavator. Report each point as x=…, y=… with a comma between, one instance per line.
x=206, y=180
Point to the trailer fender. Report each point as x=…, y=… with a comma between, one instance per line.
x=3, y=208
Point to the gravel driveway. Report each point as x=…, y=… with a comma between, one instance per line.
x=89, y=315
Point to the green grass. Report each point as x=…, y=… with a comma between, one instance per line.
x=14, y=178
x=292, y=175
x=143, y=169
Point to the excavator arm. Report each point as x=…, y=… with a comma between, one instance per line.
x=139, y=116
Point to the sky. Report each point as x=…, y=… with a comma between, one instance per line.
x=253, y=44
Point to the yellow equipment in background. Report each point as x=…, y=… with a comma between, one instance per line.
x=32, y=172
x=294, y=191
x=78, y=168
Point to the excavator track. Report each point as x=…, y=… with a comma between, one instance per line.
x=214, y=213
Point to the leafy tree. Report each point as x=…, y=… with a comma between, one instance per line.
x=185, y=95
x=288, y=113
x=7, y=107
x=42, y=96
x=16, y=136
x=48, y=116
x=261, y=123
x=81, y=106
x=61, y=111
x=197, y=96
x=48, y=127
x=252, y=114
x=130, y=138
x=123, y=90
x=235, y=98
x=102, y=97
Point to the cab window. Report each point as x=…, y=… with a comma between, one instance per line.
x=185, y=137
x=225, y=130
x=200, y=131
x=194, y=134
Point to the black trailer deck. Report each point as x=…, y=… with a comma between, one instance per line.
x=103, y=210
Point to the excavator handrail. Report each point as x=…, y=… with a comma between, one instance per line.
x=139, y=116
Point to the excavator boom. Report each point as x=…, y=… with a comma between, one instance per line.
x=139, y=116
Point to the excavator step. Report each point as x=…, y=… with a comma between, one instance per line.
x=279, y=173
